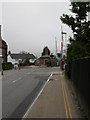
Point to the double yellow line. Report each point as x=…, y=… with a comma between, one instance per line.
x=66, y=103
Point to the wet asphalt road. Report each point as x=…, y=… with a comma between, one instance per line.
x=20, y=87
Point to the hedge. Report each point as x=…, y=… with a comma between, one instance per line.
x=7, y=66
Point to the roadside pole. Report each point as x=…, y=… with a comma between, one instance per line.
x=62, y=55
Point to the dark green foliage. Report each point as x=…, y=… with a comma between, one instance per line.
x=7, y=66
x=80, y=43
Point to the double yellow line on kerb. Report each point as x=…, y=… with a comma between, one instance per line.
x=66, y=103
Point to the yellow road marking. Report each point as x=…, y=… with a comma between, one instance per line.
x=66, y=103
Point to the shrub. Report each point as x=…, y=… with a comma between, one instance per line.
x=7, y=66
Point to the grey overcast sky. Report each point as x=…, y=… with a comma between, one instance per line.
x=30, y=26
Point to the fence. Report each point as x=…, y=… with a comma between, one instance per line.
x=80, y=74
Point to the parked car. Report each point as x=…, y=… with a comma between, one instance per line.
x=16, y=66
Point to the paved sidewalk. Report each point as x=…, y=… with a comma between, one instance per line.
x=56, y=101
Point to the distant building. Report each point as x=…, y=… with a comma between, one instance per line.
x=21, y=58
x=46, y=51
x=42, y=61
x=46, y=59
x=3, y=49
x=54, y=60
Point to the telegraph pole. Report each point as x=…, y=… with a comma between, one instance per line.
x=62, y=56
x=56, y=46
x=62, y=42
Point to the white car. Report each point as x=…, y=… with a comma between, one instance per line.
x=15, y=65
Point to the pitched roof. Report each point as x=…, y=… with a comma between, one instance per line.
x=22, y=56
x=45, y=56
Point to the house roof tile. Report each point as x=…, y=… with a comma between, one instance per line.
x=22, y=56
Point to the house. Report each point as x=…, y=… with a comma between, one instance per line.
x=46, y=51
x=3, y=49
x=43, y=60
x=46, y=59
x=22, y=58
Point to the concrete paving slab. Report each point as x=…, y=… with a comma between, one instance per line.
x=56, y=101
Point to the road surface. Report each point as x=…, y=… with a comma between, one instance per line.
x=20, y=87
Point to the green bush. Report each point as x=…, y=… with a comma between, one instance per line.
x=7, y=66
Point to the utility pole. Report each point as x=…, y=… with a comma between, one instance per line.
x=56, y=46
x=66, y=43
x=62, y=56
x=62, y=43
